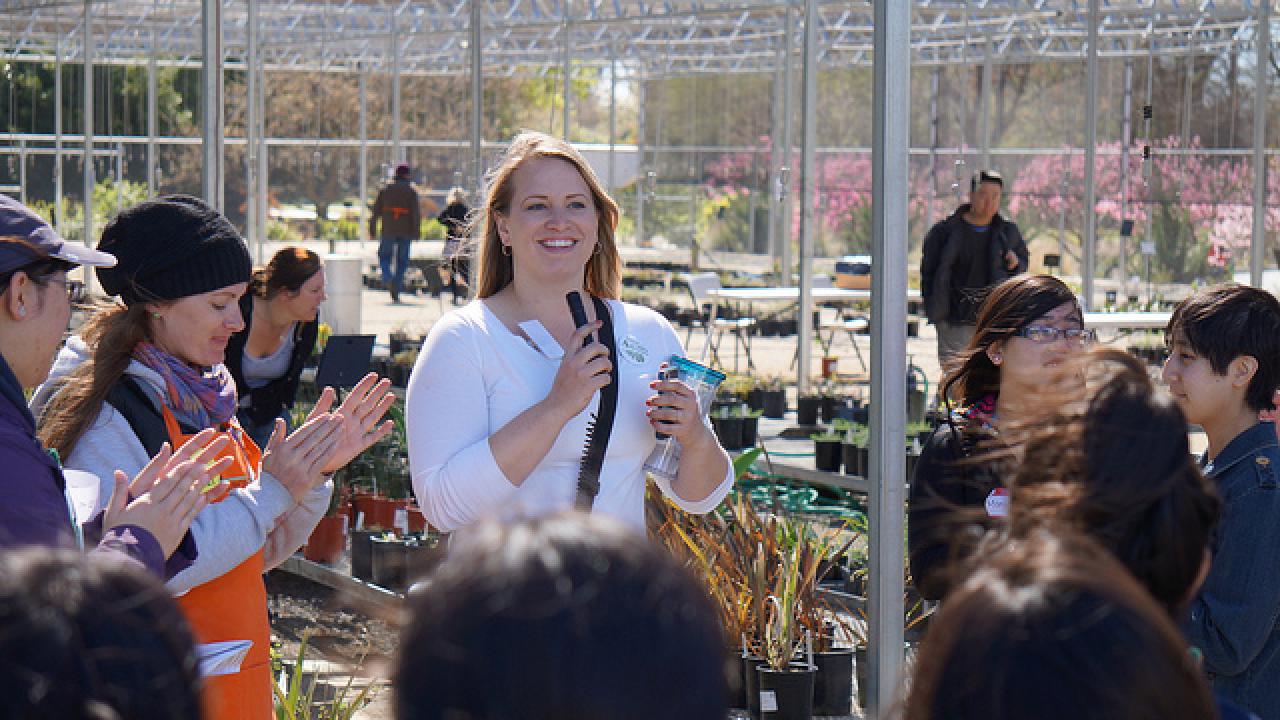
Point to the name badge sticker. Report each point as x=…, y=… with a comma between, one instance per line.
x=998, y=503
x=633, y=351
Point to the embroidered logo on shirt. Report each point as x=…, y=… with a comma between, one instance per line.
x=632, y=350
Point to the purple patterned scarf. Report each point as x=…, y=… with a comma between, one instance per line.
x=197, y=399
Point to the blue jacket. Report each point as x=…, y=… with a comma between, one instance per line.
x=1234, y=620
x=34, y=510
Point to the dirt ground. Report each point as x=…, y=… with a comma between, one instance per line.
x=358, y=641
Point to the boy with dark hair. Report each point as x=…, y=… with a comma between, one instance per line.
x=1223, y=368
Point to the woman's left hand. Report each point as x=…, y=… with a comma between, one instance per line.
x=674, y=411
x=365, y=405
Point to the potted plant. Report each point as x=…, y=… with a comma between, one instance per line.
x=853, y=449
x=750, y=426
x=329, y=537
x=773, y=398
x=389, y=561
x=826, y=451
x=807, y=409
x=727, y=423
x=786, y=687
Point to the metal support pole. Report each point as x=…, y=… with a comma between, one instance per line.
x=613, y=118
x=788, y=115
x=642, y=185
x=1125, y=144
x=988, y=58
x=57, y=132
x=566, y=66
x=1090, y=156
x=252, y=136
x=1261, y=93
x=264, y=152
x=22, y=171
x=477, y=100
x=808, y=196
x=397, y=152
x=212, y=173
x=87, y=103
x=364, y=149
x=890, y=134
x=934, y=81
x=775, y=173
x=152, y=128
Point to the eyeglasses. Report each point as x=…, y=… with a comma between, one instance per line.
x=76, y=292
x=1045, y=334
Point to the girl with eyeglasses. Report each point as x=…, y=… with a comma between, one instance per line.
x=1027, y=327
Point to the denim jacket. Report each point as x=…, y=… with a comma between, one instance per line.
x=1234, y=620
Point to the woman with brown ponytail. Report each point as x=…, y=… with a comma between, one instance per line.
x=149, y=370
x=281, y=322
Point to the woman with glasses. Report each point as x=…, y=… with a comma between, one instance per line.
x=1027, y=327
x=35, y=307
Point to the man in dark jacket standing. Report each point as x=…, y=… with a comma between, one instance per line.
x=397, y=207
x=964, y=257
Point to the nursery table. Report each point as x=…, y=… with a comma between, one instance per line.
x=1127, y=321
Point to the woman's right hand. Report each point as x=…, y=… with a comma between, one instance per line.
x=298, y=459
x=170, y=491
x=583, y=371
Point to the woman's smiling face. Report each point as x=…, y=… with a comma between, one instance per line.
x=551, y=225
x=196, y=328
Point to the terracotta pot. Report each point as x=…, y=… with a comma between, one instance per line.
x=417, y=521
x=328, y=539
x=367, y=504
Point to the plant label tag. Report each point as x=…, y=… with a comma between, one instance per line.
x=401, y=521
x=632, y=351
x=360, y=520
x=768, y=701
x=998, y=503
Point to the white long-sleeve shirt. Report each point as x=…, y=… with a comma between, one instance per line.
x=474, y=376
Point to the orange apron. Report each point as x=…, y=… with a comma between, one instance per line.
x=233, y=606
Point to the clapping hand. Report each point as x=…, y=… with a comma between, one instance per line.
x=170, y=490
x=358, y=418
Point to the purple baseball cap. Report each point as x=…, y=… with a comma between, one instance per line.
x=17, y=220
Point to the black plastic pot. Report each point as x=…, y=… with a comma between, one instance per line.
x=911, y=464
x=861, y=668
x=807, y=410
x=827, y=405
x=737, y=679
x=728, y=432
x=833, y=683
x=750, y=431
x=773, y=403
x=389, y=563
x=362, y=554
x=786, y=694
x=863, y=461
x=826, y=455
x=752, y=685
x=849, y=458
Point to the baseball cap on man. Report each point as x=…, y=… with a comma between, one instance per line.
x=17, y=220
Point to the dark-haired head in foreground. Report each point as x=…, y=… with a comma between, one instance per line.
x=569, y=617
x=1115, y=464
x=1053, y=628
x=88, y=638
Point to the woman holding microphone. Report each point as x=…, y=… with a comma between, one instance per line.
x=501, y=402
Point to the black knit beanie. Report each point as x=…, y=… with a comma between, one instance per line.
x=172, y=247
